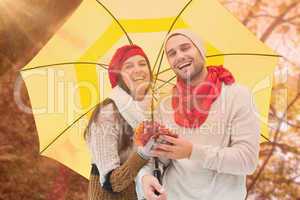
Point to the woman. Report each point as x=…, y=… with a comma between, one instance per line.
x=115, y=159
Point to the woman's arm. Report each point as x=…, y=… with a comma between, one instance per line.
x=124, y=175
x=103, y=142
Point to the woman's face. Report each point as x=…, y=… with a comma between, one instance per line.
x=136, y=75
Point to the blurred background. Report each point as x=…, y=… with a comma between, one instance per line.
x=26, y=26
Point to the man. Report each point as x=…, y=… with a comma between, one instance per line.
x=218, y=131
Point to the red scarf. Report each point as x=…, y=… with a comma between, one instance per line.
x=191, y=104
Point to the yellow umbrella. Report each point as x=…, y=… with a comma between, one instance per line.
x=68, y=77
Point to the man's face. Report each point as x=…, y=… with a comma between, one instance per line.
x=184, y=57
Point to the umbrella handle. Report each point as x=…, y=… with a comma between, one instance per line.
x=157, y=173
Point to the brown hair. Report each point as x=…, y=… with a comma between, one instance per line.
x=95, y=115
x=107, y=101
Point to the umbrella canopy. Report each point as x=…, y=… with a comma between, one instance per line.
x=68, y=77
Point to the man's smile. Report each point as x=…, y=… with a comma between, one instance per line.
x=184, y=65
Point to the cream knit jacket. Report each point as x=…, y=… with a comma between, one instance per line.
x=225, y=150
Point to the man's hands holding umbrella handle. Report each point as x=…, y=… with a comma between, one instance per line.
x=173, y=148
x=147, y=137
x=162, y=143
x=150, y=185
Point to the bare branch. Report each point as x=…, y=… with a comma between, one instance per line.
x=251, y=13
x=292, y=18
x=265, y=15
x=277, y=21
x=283, y=147
x=273, y=145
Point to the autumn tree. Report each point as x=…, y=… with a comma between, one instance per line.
x=277, y=23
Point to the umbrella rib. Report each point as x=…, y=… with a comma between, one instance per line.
x=177, y=17
x=159, y=66
x=67, y=128
x=118, y=22
x=165, y=81
x=168, y=69
x=170, y=29
x=155, y=98
x=265, y=137
x=66, y=63
x=244, y=54
x=157, y=57
x=168, y=81
x=231, y=54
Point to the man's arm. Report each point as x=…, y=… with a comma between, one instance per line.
x=146, y=170
x=241, y=157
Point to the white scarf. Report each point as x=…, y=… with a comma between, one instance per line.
x=134, y=112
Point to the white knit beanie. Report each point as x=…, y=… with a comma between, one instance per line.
x=197, y=41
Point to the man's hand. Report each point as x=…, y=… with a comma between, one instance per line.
x=150, y=185
x=175, y=148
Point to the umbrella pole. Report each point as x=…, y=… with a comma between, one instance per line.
x=156, y=171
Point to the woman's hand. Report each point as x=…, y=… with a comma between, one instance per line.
x=175, y=148
x=145, y=151
x=145, y=131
